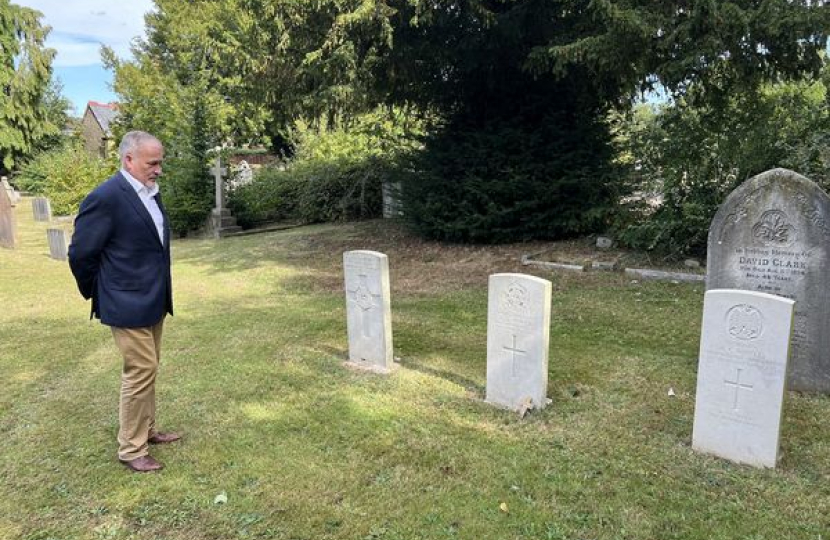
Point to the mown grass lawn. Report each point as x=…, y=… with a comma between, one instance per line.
x=304, y=448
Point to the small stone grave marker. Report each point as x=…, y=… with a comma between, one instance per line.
x=58, y=242
x=604, y=242
x=742, y=373
x=518, y=336
x=772, y=235
x=42, y=209
x=391, y=192
x=8, y=225
x=368, y=310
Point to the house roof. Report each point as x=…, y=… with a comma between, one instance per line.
x=104, y=114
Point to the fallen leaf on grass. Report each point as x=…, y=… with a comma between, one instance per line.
x=527, y=405
x=503, y=508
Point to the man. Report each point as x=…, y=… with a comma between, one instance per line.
x=120, y=257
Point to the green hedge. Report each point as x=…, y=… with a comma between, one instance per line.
x=65, y=175
x=335, y=175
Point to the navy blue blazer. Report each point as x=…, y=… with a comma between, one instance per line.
x=117, y=258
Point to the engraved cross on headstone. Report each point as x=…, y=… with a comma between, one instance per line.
x=738, y=386
x=218, y=172
x=366, y=300
x=513, y=352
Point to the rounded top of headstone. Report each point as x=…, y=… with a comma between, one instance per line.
x=763, y=199
x=364, y=253
x=787, y=180
x=523, y=277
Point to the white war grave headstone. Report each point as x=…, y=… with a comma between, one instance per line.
x=368, y=310
x=518, y=336
x=42, y=209
x=8, y=226
x=741, y=378
x=772, y=235
x=58, y=243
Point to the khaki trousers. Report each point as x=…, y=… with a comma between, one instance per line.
x=141, y=349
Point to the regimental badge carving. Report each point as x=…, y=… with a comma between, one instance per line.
x=744, y=322
x=774, y=229
x=514, y=299
x=362, y=294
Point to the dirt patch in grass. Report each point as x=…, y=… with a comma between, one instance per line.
x=419, y=266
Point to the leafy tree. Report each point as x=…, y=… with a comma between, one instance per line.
x=520, y=70
x=65, y=174
x=719, y=47
x=179, y=117
x=25, y=72
x=276, y=61
x=518, y=84
x=694, y=156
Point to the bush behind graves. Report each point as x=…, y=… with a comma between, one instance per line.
x=335, y=174
x=695, y=156
x=65, y=175
x=535, y=175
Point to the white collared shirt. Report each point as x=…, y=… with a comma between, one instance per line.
x=147, y=198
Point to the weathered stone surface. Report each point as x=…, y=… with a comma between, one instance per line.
x=391, y=192
x=518, y=336
x=772, y=234
x=368, y=309
x=42, y=209
x=604, y=242
x=14, y=196
x=8, y=225
x=741, y=378
x=58, y=243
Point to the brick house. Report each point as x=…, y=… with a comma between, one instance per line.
x=95, y=127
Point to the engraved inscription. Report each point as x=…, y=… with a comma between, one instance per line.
x=366, y=300
x=359, y=263
x=744, y=322
x=738, y=386
x=774, y=228
x=514, y=299
x=515, y=306
x=513, y=350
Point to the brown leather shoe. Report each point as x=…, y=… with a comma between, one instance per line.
x=142, y=464
x=164, y=438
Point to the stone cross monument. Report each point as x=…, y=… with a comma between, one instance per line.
x=221, y=222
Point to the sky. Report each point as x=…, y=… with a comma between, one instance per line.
x=79, y=28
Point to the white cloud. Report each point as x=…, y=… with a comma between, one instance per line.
x=80, y=27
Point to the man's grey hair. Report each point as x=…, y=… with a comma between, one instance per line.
x=132, y=140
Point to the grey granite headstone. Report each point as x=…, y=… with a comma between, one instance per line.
x=518, y=335
x=368, y=310
x=772, y=235
x=8, y=226
x=42, y=209
x=391, y=192
x=57, y=239
x=741, y=376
